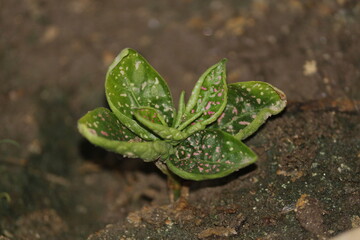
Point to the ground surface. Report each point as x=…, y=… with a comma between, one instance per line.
x=53, y=59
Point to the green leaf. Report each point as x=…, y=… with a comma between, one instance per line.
x=131, y=82
x=181, y=110
x=163, y=131
x=151, y=114
x=208, y=97
x=209, y=154
x=249, y=105
x=102, y=128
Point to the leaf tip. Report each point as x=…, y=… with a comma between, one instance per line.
x=224, y=60
x=118, y=59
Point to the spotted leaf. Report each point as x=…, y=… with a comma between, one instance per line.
x=151, y=114
x=102, y=128
x=209, y=154
x=208, y=99
x=132, y=82
x=249, y=105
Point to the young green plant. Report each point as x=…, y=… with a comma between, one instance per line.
x=200, y=140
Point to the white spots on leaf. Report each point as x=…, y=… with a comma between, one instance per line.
x=167, y=108
x=156, y=81
x=137, y=64
x=258, y=100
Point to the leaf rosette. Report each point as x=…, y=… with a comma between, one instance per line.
x=201, y=140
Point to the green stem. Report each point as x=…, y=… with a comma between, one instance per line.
x=190, y=120
x=181, y=110
x=173, y=182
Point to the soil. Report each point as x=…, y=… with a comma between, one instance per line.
x=53, y=59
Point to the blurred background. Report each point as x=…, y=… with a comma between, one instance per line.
x=53, y=60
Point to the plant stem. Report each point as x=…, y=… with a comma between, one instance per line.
x=173, y=182
x=190, y=120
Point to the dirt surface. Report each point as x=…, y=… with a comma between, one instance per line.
x=305, y=184
x=53, y=59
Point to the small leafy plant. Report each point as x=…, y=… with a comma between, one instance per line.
x=200, y=140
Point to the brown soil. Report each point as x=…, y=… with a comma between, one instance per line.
x=53, y=59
